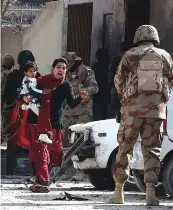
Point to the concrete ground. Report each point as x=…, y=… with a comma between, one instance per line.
x=15, y=195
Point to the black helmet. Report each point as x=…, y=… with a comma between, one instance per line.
x=24, y=56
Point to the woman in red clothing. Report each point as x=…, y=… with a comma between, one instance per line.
x=50, y=121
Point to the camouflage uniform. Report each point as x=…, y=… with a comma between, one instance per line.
x=142, y=113
x=6, y=64
x=82, y=78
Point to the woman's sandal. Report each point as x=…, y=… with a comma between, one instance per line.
x=39, y=188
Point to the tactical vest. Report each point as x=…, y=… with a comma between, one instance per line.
x=147, y=76
x=150, y=72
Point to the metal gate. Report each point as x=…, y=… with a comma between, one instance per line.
x=80, y=30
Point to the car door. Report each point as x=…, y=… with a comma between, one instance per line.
x=170, y=118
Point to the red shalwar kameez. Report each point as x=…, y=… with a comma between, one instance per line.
x=49, y=121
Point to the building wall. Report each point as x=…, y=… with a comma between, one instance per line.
x=47, y=37
x=65, y=20
x=11, y=43
x=67, y=2
x=164, y=23
x=64, y=29
x=118, y=26
x=44, y=37
x=100, y=7
x=162, y=18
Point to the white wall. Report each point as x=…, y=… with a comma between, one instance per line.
x=47, y=36
x=11, y=43
x=44, y=37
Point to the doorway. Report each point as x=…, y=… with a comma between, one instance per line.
x=137, y=13
x=80, y=30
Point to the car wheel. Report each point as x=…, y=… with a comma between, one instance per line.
x=139, y=180
x=168, y=177
x=100, y=179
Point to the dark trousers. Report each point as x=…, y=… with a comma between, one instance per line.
x=12, y=152
x=99, y=111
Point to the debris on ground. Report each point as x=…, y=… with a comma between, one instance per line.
x=58, y=185
x=93, y=195
x=74, y=197
x=61, y=197
x=69, y=197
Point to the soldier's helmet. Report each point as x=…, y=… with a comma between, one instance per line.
x=71, y=56
x=146, y=33
x=7, y=60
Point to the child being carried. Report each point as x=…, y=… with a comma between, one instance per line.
x=29, y=88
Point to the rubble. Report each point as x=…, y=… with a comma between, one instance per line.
x=70, y=197
x=14, y=195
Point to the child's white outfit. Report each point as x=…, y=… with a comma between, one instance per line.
x=29, y=86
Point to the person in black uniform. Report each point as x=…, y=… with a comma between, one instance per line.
x=14, y=81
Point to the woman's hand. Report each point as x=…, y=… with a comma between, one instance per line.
x=46, y=91
x=27, y=99
x=83, y=94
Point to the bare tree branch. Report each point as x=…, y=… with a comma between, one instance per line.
x=17, y=14
x=5, y=8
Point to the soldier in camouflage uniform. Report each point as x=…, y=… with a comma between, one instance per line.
x=82, y=78
x=142, y=113
x=7, y=63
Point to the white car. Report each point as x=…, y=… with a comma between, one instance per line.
x=97, y=156
x=166, y=173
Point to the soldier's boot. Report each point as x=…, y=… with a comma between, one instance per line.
x=151, y=199
x=118, y=197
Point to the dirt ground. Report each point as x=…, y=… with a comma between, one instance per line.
x=15, y=195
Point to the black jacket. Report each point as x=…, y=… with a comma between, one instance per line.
x=61, y=94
